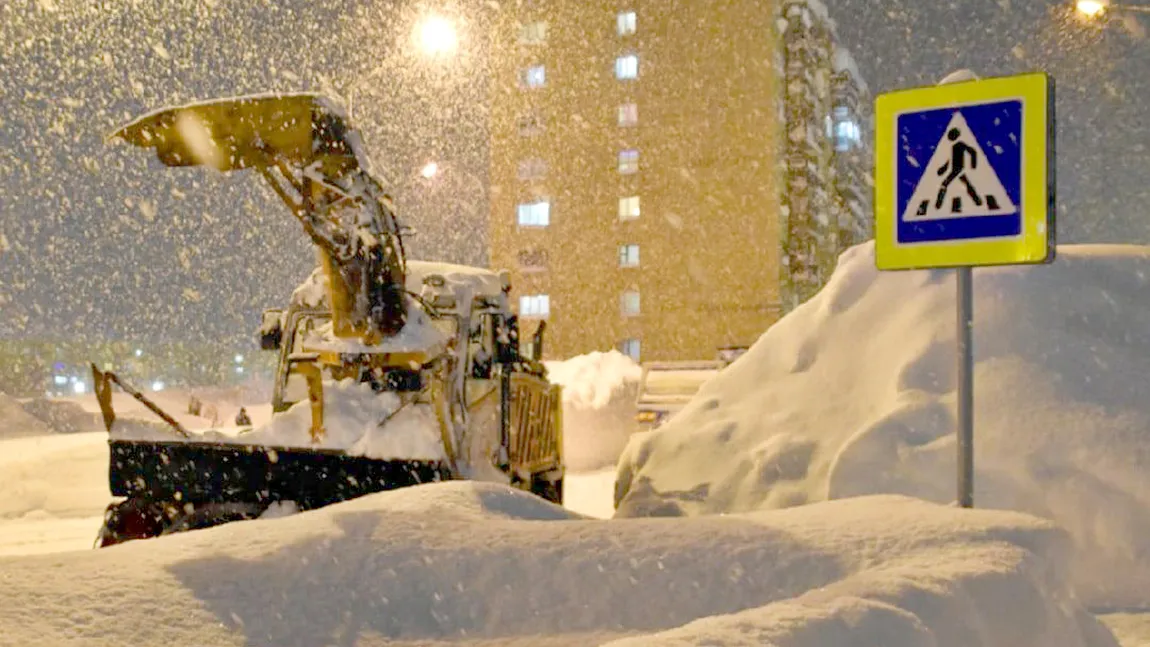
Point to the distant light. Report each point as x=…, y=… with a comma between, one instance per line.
x=1091, y=8
x=139, y=352
x=239, y=359
x=430, y=170
x=239, y=369
x=73, y=379
x=157, y=386
x=60, y=380
x=437, y=35
x=79, y=387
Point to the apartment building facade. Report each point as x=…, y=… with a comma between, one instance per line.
x=650, y=190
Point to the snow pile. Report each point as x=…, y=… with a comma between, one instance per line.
x=599, y=391
x=853, y=394
x=16, y=422
x=53, y=491
x=354, y=417
x=64, y=416
x=470, y=563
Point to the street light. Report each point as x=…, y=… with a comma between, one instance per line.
x=1095, y=8
x=1090, y=8
x=437, y=36
x=430, y=170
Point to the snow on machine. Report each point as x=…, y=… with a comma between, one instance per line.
x=391, y=372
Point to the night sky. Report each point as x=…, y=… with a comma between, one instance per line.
x=101, y=242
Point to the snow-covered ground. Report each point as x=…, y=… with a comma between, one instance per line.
x=470, y=563
x=852, y=394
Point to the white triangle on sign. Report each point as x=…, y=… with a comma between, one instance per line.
x=974, y=190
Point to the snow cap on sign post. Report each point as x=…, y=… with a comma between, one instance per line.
x=959, y=76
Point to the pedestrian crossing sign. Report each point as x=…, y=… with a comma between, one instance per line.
x=964, y=174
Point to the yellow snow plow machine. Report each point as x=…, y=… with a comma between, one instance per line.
x=391, y=372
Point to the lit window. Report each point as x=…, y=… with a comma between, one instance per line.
x=534, y=76
x=529, y=125
x=532, y=169
x=533, y=33
x=534, y=305
x=533, y=260
x=535, y=214
x=628, y=114
x=628, y=161
x=628, y=256
x=630, y=348
x=626, y=22
x=627, y=67
x=630, y=303
x=847, y=135
x=629, y=208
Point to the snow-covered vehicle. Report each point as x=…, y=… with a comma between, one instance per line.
x=667, y=387
x=391, y=373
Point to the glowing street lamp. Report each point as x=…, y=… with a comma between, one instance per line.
x=1090, y=8
x=436, y=35
x=1095, y=8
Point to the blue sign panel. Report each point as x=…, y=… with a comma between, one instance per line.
x=960, y=173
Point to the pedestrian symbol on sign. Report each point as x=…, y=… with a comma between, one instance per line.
x=959, y=182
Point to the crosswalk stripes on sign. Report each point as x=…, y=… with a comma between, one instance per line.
x=959, y=181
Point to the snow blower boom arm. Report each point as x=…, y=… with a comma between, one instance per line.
x=304, y=147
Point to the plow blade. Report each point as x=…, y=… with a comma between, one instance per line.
x=191, y=472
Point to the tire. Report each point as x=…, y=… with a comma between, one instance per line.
x=139, y=519
x=131, y=519
x=550, y=490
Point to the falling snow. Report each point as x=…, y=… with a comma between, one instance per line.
x=107, y=255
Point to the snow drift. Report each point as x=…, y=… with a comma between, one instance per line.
x=16, y=422
x=853, y=394
x=53, y=491
x=483, y=564
x=599, y=391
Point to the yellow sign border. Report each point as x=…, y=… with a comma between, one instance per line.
x=1036, y=244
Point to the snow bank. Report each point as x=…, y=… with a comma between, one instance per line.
x=853, y=393
x=599, y=391
x=40, y=416
x=353, y=420
x=470, y=563
x=16, y=422
x=53, y=491
x=60, y=476
x=63, y=416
